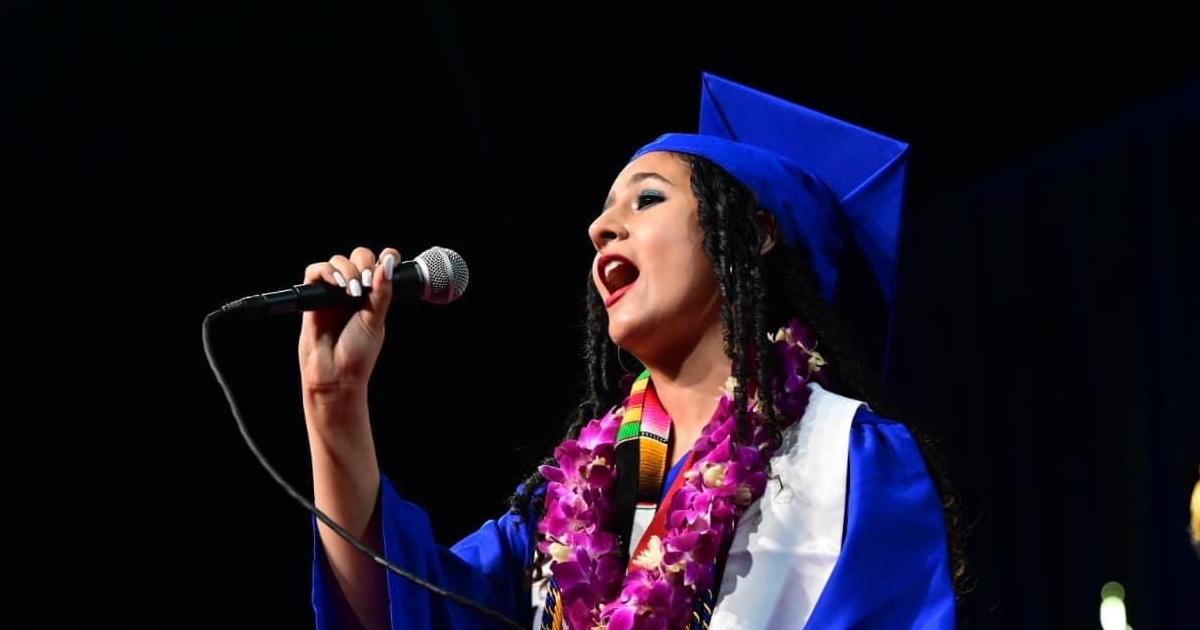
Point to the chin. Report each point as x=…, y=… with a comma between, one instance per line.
x=619, y=333
x=625, y=333
x=635, y=335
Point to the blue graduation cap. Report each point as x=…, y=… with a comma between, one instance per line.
x=825, y=180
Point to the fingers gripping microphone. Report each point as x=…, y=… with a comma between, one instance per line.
x=438, y=276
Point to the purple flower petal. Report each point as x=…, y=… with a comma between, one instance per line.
x=683, y=542
x=552, y=474
x=579, y=615
x=622, y=618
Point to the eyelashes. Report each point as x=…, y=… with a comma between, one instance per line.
x=643, y=200
x=647, y=198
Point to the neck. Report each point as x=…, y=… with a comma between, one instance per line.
x=689, y=386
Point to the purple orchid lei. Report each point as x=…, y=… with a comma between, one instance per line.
x=723, y=480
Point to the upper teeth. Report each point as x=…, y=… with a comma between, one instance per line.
x=612, y=264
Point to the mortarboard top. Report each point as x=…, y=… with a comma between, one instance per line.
x=826, y=180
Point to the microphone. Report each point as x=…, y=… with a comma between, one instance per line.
x=438, y=276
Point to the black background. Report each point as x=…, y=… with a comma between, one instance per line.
x=161, y=158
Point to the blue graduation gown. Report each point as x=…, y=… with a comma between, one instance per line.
x=893, y=570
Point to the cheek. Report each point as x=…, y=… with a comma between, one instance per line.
x=693, y=257
x=682, y=271
x=689, y=271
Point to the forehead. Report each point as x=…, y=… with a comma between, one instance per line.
x=665, y=164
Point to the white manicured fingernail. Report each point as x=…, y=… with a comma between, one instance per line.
x=341, y=280
x=389, y=262
x=355, y=288
x=368, y=276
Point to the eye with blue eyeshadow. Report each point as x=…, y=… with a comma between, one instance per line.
x=649, y=197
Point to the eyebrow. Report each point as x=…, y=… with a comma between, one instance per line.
x=638, y=177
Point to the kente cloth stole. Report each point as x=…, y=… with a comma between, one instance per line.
x=642, y=442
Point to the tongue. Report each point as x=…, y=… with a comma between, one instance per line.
x=621, y=277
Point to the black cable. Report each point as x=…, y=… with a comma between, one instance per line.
x=237, y=415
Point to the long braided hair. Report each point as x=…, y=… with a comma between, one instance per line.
x=760, y=293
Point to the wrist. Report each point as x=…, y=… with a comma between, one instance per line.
x=334, y=396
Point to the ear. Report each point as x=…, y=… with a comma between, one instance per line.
x=768, y=231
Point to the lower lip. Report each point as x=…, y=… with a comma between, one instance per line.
x=612, y=299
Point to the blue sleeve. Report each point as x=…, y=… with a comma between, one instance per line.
x=488, y=566
x=894, y=567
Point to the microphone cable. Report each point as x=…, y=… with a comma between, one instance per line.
x=350, y=538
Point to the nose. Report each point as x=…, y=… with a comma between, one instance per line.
x=606, y=229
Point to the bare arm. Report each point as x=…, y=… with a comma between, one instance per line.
x=337, y=353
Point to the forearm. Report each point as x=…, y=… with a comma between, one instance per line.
x=346, y=487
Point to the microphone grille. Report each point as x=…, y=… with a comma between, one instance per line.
x=448, y=275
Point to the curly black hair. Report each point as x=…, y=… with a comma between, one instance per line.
x=761, y=292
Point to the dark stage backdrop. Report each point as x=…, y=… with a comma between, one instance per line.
x=161, y=158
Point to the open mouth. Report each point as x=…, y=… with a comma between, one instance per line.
x=617, y=273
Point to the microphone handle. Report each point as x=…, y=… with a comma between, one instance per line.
x=408, y=283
